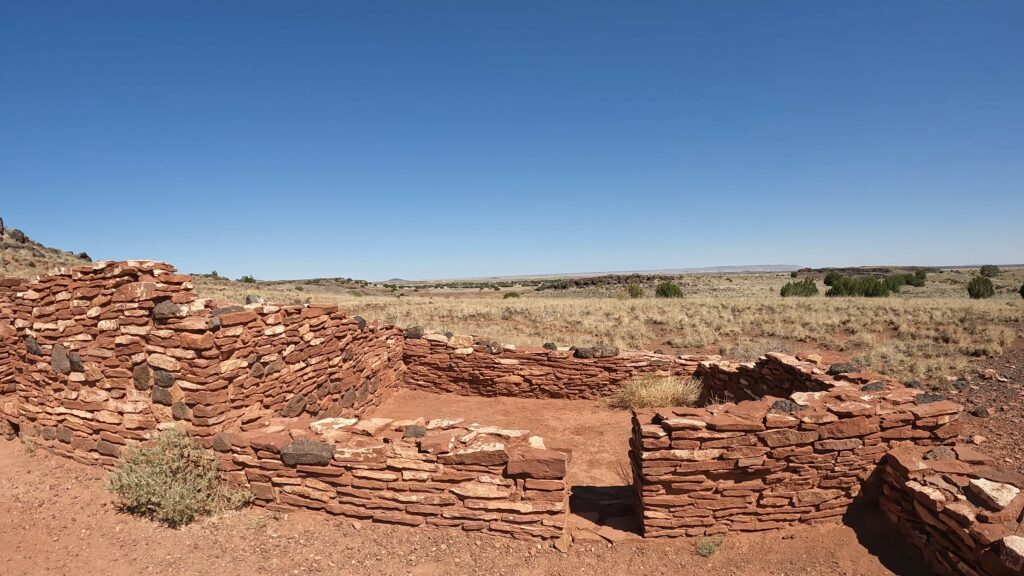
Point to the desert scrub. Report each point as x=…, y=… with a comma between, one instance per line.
x=510, y=295
x=805, y=287
x=652, y=391
x=989, y=271
x=980, y=287
x=173, y=481
x=634, y=290
x=668, y=290
x=708, y=546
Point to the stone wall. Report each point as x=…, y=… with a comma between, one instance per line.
x=479, y=367
x=440, y=473
x=780, y=376
x=774, y=463
x=105, y=354
x=957, y=508
x=8, y=344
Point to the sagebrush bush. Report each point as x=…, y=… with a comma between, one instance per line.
x=831, y=278
x=668, y=290
x=247, y=280
x=510, y=295
x=1022, y=290
x=805, y=287
x=173, y=481
x=653, y=391
x=980, y=287
x=989, y=271
x=634, y=290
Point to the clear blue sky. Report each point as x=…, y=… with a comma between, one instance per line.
x=446, y=139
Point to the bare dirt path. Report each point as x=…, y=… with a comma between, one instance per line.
x=56, y=518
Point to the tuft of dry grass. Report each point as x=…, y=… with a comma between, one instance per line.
x=653, y=391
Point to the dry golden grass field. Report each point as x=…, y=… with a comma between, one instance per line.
x=931, y=333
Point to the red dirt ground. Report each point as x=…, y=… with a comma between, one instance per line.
x=58, y=519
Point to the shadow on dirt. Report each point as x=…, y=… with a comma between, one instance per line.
x=883, y=541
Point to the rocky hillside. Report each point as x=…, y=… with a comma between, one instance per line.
x=23, y=257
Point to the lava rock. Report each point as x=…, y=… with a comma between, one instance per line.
x=163, y=378
x=59, y=360
x=940, y=453
x=166, y=310
x=18, y=236
x=841, y=368
x=361, y=322
x=295, y=406
x=140, y=376
x=76, y=362
x=873, y=387
x=550, y=346
x=490, y=346
x=306, y=451
x=32, y=346
x=414, y=431
x=960, y=385
x=785, y=405
x=414, y=333
x=254, y=299
x=928, y=398
x=915, y=384
x=596, y=352
x=84, y=256
x=980, y=412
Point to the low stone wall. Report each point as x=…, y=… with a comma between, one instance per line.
x=8, y=344
x=773, y=463
x=957, y=508
x=776, y=375
x=105, y=354
x=477, y=367
x=414, y=472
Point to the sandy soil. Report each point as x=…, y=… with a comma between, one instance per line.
x=58, y=519
x=597, y=434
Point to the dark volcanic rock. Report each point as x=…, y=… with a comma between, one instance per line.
x=59, y=360
x=167, y=310
x=873, y=387
x=414, y=333
x=929, y=397
x=295, y=406
x=841, y=368
x=32, y=346
x=163, y=378
x=140, y=376
x=785, y=405
x=306, y=451
x=162, y=396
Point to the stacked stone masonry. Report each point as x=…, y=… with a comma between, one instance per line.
x=959, y=510
x=479, y=367
x=439, y=472
x=97, y=357
x=775, y=462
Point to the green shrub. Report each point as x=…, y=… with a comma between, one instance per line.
x=1022, y=290
x=653, y=391
x=831, y=277
x=247, y=280
x=980, y=287
x=989, y=271
x=794, y=274
x=634, y=290
x=510, y=295
x=867, y=286
x=708, y=546
x=174, y=481
x=668, y=290
x=805, y=287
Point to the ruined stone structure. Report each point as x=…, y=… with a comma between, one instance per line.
x=97, y=357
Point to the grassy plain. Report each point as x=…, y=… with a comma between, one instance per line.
x=927, y=333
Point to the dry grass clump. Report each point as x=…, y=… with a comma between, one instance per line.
x=653, y=391
x=175, y=481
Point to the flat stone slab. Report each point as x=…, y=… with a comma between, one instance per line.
x=995, y=494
